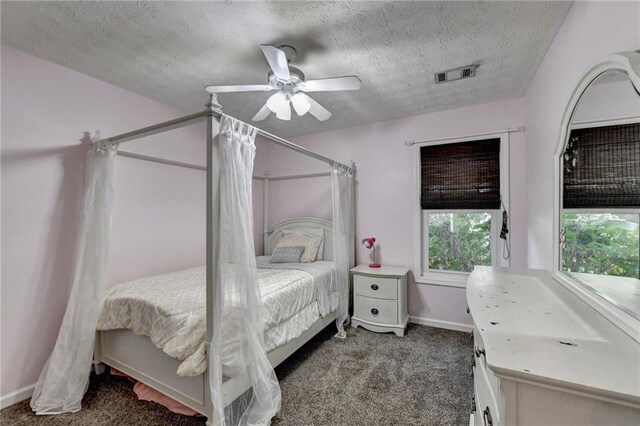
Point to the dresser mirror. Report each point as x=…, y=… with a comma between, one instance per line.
x=597, y=219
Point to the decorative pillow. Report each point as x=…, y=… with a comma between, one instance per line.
x=310, y=243
x=289, y=254
x=312, y=232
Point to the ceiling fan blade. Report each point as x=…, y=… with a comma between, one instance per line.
x=350, y=82
x=317, y=110
x=239, y=88
x=300, y=104
x=277, y=61
x=262, y=114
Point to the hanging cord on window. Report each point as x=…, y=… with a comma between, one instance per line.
x=506, y=253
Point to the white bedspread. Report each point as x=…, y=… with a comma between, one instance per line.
x=323, y=273
x=170, y=309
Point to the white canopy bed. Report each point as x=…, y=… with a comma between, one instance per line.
x=238, y=317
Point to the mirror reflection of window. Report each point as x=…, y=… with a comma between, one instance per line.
x=601, y=190
x=601, y=243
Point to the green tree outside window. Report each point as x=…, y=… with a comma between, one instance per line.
x=603, y=243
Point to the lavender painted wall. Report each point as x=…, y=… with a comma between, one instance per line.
x=159, y=212
x=591, y=30
x=385, y=188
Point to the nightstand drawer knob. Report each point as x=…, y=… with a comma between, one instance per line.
x=374, y=286
x=374, y=311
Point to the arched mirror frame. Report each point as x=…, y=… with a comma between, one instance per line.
x=628, y=62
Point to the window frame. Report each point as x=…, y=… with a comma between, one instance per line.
x=424, y=275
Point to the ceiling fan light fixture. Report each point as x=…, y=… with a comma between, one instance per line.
x=300, y=104
x=284, y=113
x=277, y=102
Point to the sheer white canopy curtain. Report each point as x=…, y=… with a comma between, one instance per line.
x=342, y=191
x=239, y=324
x=65, y=377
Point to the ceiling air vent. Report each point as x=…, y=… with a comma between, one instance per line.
x=459, y=73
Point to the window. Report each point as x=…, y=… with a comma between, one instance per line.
x=460, y=208
x=458, y=241
x=601, y=198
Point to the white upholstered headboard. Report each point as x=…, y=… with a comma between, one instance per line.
x=297, y=223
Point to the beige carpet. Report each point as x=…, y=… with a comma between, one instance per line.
x=366, y=379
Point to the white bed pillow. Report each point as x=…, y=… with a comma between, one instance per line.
x=310, y=232
x=288, y=254
x=311, y=244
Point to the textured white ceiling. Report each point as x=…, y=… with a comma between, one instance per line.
x=169, y=51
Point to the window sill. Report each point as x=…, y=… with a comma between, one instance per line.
x=446, y=280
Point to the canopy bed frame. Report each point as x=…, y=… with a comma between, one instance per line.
x=136, y=355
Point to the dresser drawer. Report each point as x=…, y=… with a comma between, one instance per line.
x=481, y=361
x=486, y=406
x=376, y=310
x=380, y=288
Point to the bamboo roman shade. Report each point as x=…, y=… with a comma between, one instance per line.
x=459, y=176
x=601, y=167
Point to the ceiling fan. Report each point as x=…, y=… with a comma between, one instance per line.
x=291, y=86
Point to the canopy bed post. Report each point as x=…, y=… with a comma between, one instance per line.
x=265, y=211
x=213, y=304
x=352, y=237
x=213, y=204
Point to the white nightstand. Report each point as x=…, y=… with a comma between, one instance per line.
x=380, y=298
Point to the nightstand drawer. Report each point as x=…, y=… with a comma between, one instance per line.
x=376, y=310
x=380, y=288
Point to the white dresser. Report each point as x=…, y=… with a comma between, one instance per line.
x=544, y=357
x=380, y=298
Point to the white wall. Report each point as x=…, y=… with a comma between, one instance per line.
x=386, y=185
x=590, y=31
